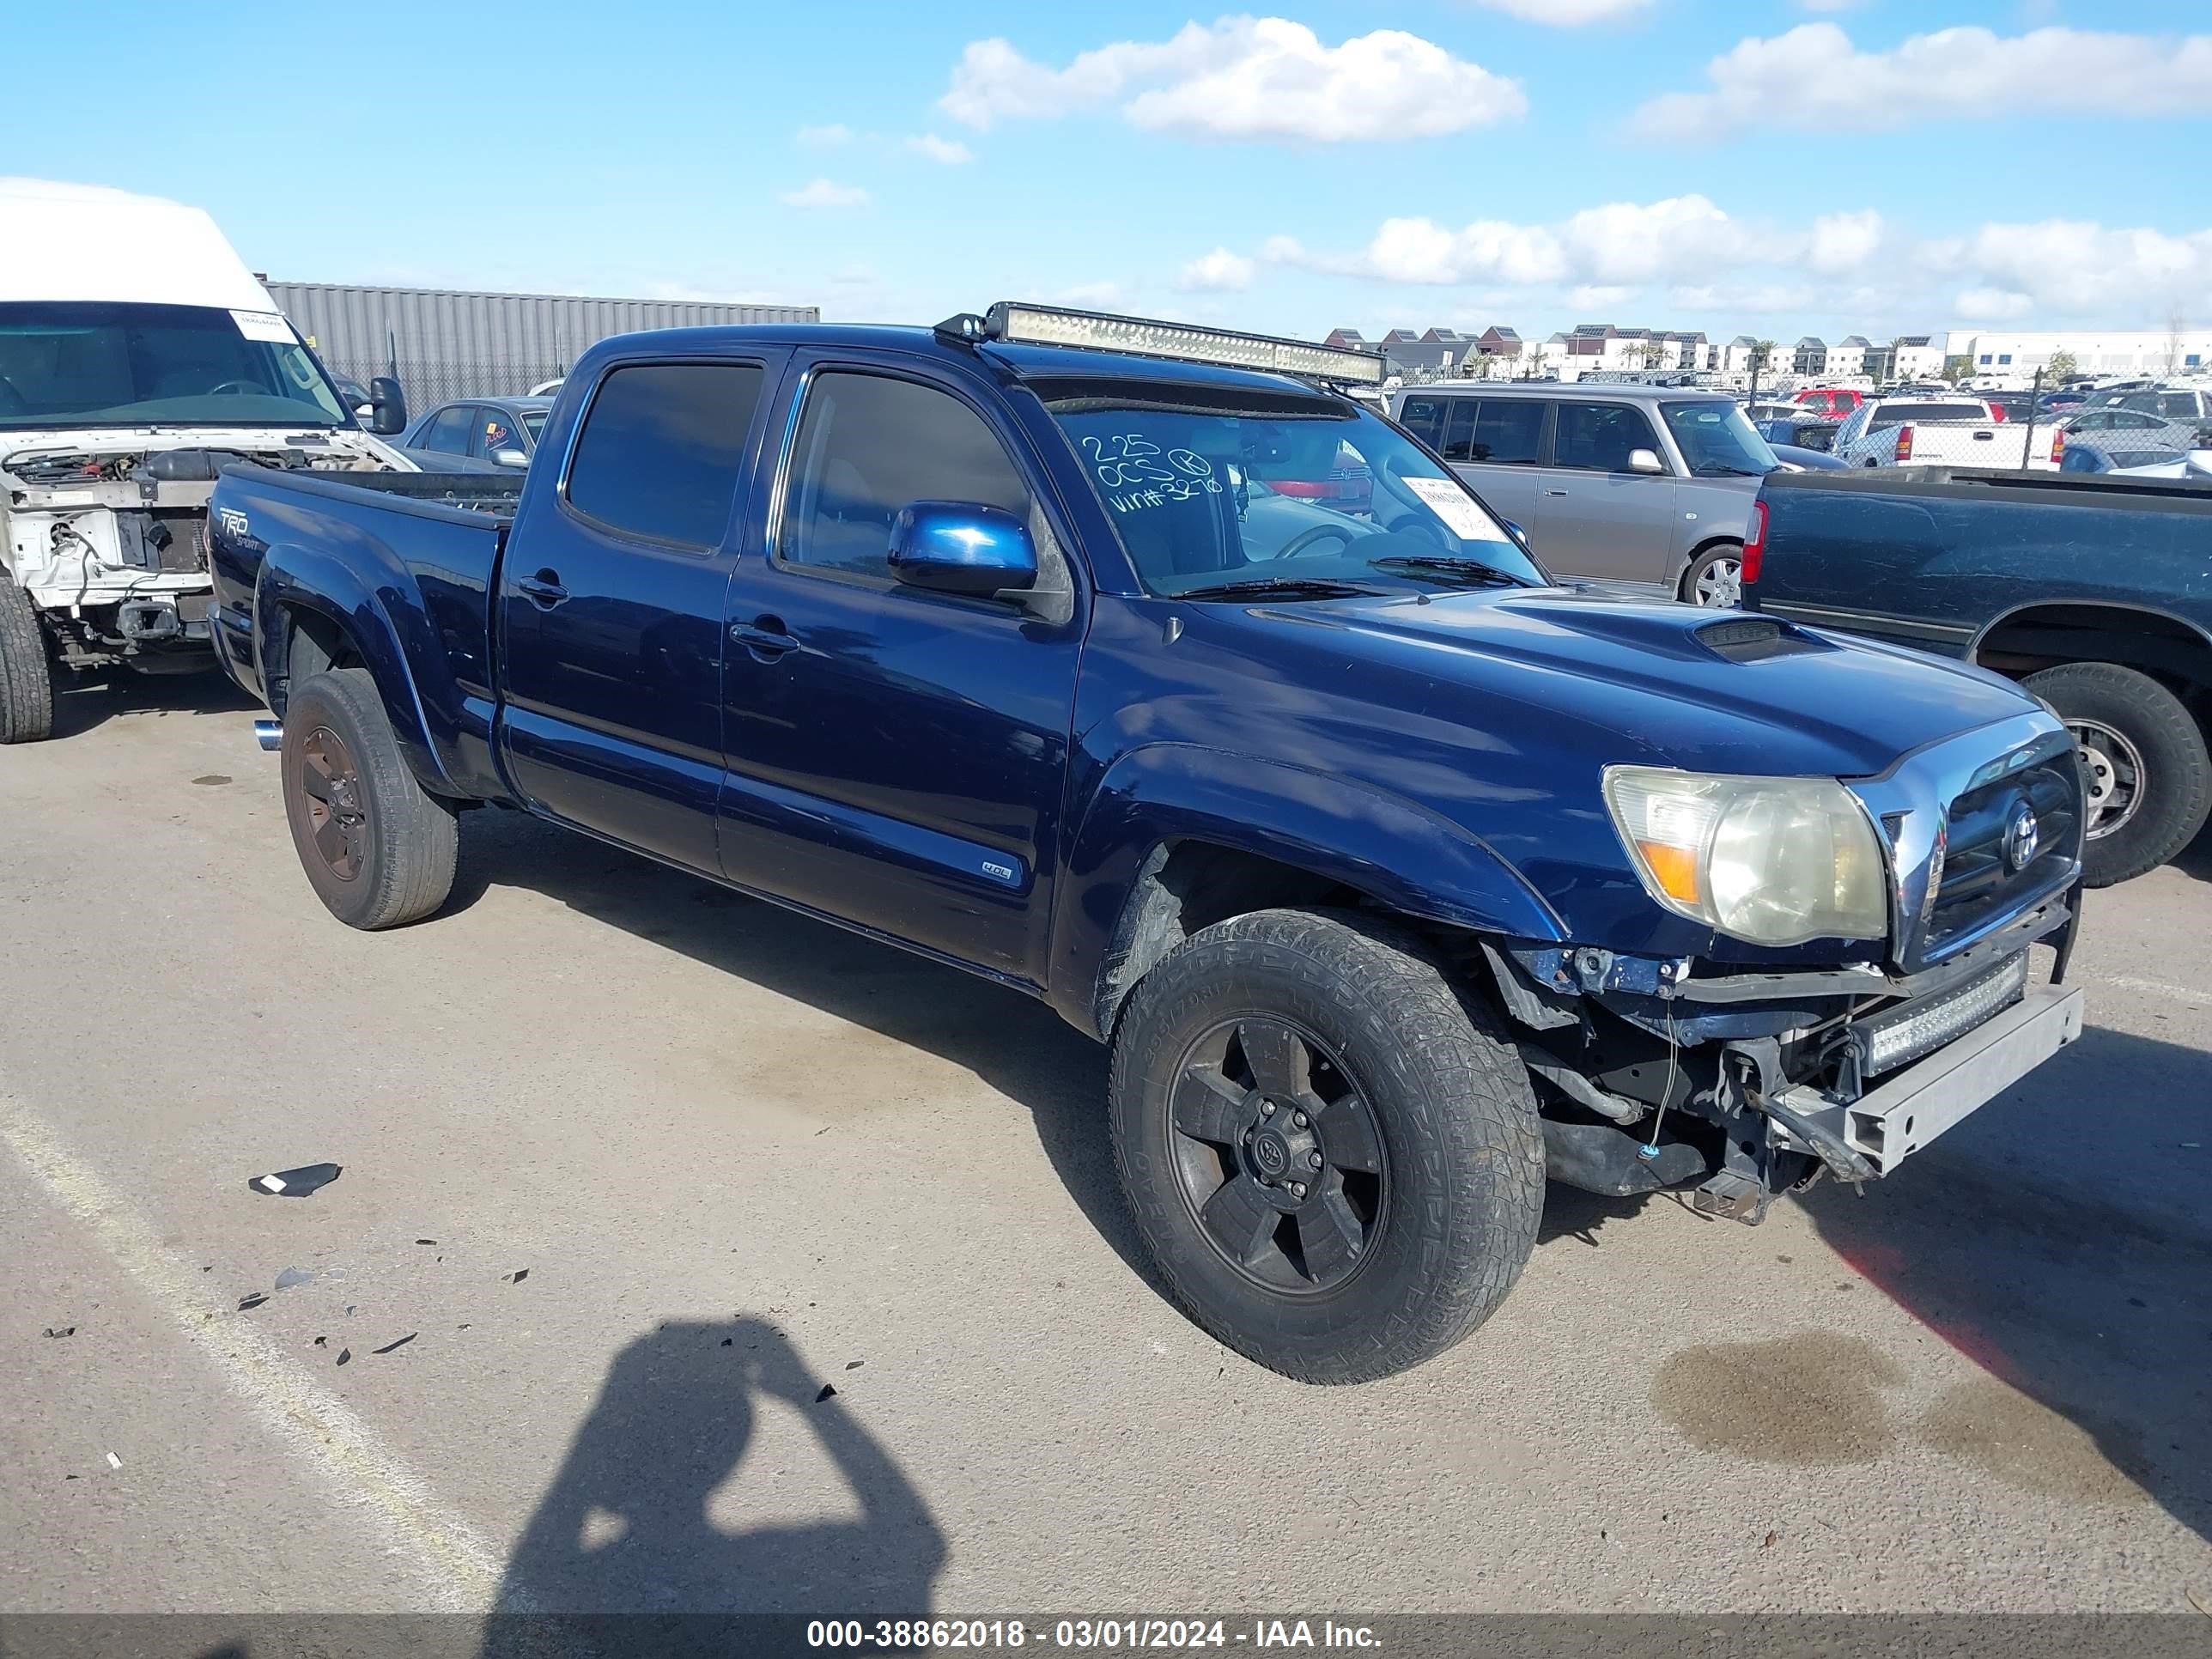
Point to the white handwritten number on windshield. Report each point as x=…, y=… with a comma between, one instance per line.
x=1137, y=477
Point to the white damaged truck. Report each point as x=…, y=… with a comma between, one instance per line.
x=138, y=358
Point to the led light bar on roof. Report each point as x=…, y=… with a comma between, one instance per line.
x=1029, y=325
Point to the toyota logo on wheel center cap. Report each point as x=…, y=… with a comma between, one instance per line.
x=2021, y=835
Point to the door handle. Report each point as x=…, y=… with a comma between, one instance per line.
x=543, y=590
x=1555, y=492
x=764, y=636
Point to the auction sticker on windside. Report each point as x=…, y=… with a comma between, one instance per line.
x=1451, y=503
x=263, y=326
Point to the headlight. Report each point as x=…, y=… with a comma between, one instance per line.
x=1771, y=861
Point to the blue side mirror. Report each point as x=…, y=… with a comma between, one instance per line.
x=961, y=547
x=1517, y=532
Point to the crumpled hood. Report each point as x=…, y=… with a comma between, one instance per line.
x=1672, y=684
x=135, y=440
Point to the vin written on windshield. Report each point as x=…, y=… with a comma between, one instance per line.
x=1308, y=496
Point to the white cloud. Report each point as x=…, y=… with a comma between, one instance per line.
x=1992, y=305
x=825, y=137
x=1814, y=72
x=1243, y=78
x=1565, y=14
x=1217, y=273
x=1843, y=241
x=950, y=152
x=1686, y=254
x=826, y=194
x=1099, y=296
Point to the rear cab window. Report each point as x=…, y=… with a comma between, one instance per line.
x=662, y=449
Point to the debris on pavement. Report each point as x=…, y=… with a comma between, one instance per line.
x=292, y=1276
x=401, y=1343
x=296, y=1183
x=322, y=1341
x=344, y=1354
x=516, y=1276
x=253, y=1301
x=61, y=1330
x=726, y=1341
x=114, y=1462
x=854, y=1364
x=426, y=1241
x=827, y=1390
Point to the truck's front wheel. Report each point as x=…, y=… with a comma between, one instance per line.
x=377, y=849
x=2143, y=764
x=27, y=675
x=1333, y=1158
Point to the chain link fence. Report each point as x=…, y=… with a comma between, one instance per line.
x=429, y=382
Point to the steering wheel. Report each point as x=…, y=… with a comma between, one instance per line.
x=1413, y=524
x=238, y=389
x=1303, y=541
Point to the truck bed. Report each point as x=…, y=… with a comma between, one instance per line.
x=433, y=538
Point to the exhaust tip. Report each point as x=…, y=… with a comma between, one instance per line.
x=269, y=734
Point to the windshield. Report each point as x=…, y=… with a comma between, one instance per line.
x=1717, y=441
x=85, y=364
x=1227, y=490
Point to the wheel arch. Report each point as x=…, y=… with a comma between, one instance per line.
x=1180, y=838
x=313, y=606
x=2045, y=633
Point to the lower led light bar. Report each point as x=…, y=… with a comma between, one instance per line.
x=1029, y=325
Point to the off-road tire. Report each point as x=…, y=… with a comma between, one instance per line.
x=411, y=841
x=2177, y=782
x=1462, y=1147
x=27, y=672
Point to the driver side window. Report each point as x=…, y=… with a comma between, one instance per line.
x=868, y=445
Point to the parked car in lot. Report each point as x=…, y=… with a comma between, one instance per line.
x=2090, y=590
x=2108, y=426
x=1942, y=431
x=1800, y=432
x=1836, y=402
x=2085, y=458
x=1641, y=490
x=2170, y=403
x=138, y=356
x=1794, y=460
x=477, y=432
x=1395, y=876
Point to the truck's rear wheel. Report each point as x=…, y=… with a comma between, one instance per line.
x=2143, y=764
x=1332, y=1158
x=378, y=850
x=26, y=674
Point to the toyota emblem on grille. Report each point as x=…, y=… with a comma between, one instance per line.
x=2021, y=834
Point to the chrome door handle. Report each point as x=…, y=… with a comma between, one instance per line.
x=767, y=637
x=1555, y=492
x=543, y=590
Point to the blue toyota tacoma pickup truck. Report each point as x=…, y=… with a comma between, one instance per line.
x=1052, y=645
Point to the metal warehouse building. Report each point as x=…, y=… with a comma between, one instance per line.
x=444, y=345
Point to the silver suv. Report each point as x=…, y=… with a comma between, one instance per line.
x=1642, y=489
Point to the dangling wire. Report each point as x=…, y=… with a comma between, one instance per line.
x=1649, y=1149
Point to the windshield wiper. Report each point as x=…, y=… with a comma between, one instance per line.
x=1281, y=587
x=1717, y=471
x=1472, y=571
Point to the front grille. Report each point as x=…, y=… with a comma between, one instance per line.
x=1984, y=880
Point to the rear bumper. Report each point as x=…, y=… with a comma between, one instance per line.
x=1909, y=1110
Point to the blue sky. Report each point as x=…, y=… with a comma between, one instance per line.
x=1775, y=166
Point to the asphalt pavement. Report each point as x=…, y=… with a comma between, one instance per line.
x=636, y=1172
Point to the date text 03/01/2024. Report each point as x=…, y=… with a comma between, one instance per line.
x=899, y=1635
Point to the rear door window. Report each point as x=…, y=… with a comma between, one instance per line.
x=1459, y=431
x=2181, y=404
x=1508, y=431
x=662, y=449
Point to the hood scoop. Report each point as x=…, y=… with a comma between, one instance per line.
x=1753, y=639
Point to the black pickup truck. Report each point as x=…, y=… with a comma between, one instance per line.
x=2094, y=592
